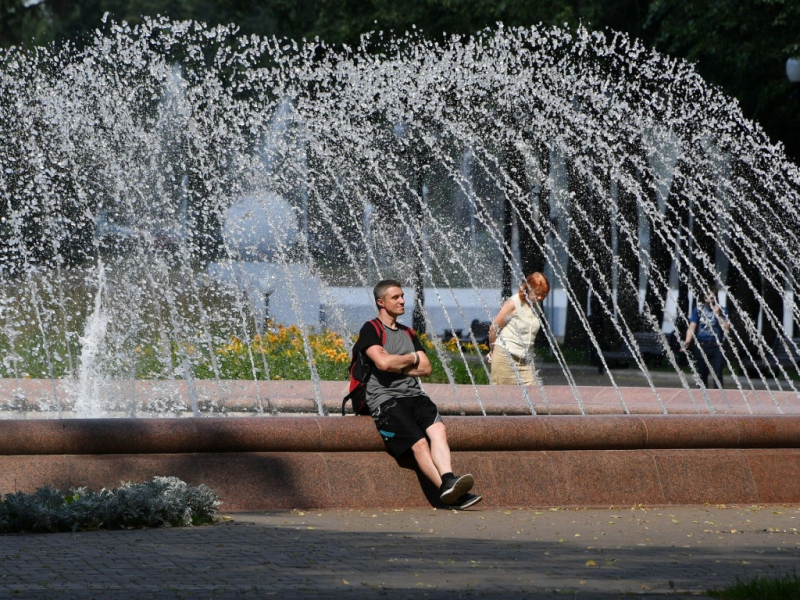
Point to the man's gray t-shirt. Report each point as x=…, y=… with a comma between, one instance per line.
x=382, y=385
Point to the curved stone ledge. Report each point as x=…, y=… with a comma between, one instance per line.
x=44, y=397
x=271, y=463
x=247, y=481
x=357, y=434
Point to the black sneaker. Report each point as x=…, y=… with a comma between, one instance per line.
x=454, y=488
x=466, y=501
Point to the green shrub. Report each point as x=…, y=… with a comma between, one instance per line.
x=786, y=587
x=162, y=502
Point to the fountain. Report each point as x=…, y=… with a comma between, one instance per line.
x=179, y=201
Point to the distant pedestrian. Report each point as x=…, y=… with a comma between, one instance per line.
x=708, y=325
x=513, y=332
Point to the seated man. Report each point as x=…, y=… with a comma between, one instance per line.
x=405, y=417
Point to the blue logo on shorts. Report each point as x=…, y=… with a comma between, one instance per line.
x=386, y=433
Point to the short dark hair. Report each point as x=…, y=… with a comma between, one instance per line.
x=384, y=284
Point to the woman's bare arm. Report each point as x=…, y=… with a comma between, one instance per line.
x=500, y=321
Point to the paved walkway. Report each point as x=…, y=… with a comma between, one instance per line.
x=490, y=553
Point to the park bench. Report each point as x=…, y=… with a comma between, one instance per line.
x=480, y=329
x=786, y=359
x=649, y=344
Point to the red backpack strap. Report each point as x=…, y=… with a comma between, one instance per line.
x=409, y=332
x=380, y=330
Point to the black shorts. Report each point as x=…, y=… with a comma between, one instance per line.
x=402, y=422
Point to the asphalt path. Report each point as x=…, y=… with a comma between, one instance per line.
x=673, y=551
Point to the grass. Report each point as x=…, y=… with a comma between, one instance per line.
x=786, y=587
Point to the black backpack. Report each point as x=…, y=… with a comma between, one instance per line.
x=361, y=369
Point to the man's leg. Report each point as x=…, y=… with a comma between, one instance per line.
x=457, y=493
x=440, y=449
x=453, y=488
x=422, y=454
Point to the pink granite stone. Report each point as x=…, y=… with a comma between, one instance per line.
x=494, y=433
x=28, y=473
x=265, y=462
x=520, y=479
x=690, y=431
x=112, y=470
x=705, y=475
x=127, y=436
x=33, y=436
x=280, y=480
x=355, y=477
x=594, y=432
x=605, y=478
x=355, y=433
x=768, y=432
x=776, y=474
x=274, y=480
x=257, y=434
x=264, y=397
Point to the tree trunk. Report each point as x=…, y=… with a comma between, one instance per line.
x=418, y=316
x=628, y=256
x=576, y=337
x=532, y=254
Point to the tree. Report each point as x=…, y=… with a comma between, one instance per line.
x=741, y=46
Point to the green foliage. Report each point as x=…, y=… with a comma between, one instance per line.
x=742, y=46
x=162, y=502
x=459, y=369
x=786, y=587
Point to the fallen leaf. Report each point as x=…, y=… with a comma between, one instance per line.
x=591, y=563
x=345, y=582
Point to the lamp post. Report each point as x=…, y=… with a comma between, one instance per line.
x=793, y=74
x=793, y=70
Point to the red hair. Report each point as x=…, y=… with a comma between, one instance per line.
x=536, y=283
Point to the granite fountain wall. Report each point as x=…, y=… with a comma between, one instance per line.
x=729, y=454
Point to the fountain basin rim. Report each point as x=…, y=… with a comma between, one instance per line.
x=355, y=434
x=42, y=397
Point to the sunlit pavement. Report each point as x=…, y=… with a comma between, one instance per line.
x=585, y=375
x=677, y=551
